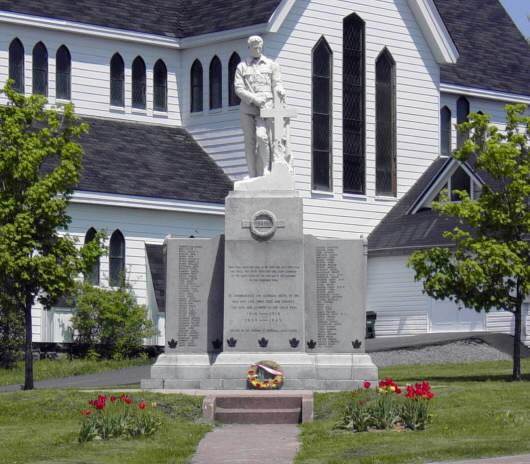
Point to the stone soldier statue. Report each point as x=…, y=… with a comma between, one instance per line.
x=257, y=82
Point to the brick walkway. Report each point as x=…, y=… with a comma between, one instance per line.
x=243, y=444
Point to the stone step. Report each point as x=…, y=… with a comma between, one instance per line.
x=258, y=416
x=256, y=402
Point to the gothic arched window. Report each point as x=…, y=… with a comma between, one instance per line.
x=40, y=69
x=445, y=131
x=353, y=105
x=63, y=70
x=116, y=259
x=93, y=275
x=321, y=115
x=138, y=83
x=117, y=80
x=160, y=86
x=16, y=65
x=196, y=86
x=233, y=99
x=462, y=112
x=216, y=83
x=385, y=124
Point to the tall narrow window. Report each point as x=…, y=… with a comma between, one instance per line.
x=63, y=78
x=16, y=65
x=233, y=99
x=160, y=86
x=462, y=112
x=445, y=131
x=40, y=69
x=93, y=275
x=460, y=180
x=321, y=118
x=216, y=83
x=353, y=105
x=385, y=123
x=138, y=83
x=117, y=80
x=116, y=259
x=196, y=86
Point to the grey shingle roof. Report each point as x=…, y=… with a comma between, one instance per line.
x=494, y=55
x=147, y=160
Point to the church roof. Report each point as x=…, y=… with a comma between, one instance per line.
x=147, y=160
x=494, y=55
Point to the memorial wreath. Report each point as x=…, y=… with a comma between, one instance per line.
x=265, y=375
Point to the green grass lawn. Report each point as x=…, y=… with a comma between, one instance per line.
x=47, y=369
x=42, y=427
x=477, y=412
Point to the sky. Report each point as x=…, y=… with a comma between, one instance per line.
x=519, y=11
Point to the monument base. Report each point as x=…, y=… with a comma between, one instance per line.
x=227, y=371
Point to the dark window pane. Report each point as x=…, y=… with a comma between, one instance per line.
x=216, y=84
x=445, y=131
x=63, y=82
x=460, y=181
x=93, y=275
x=138, y=83
x=321, y=127
x=353, y=105
x=160, y=86
x=16, y=65
x=117, y=81
x=385, y=95
x=462, y=112
x=40, y=69
x=196, y=86
x=233, y=99
x=116, y=259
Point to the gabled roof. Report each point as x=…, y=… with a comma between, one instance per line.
x=147, y=160
x=494, y=55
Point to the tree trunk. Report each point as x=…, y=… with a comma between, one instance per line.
x=28, y=355
x=517, y=344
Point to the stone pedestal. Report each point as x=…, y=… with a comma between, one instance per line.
x=266, y=292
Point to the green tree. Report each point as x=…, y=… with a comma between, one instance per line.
x=489, y=265
x=40, y=164
x=110, y=321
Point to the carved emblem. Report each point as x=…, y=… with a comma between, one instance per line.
x=172, y=343
x=263, y=342
x=263, y=225
x=217, y=344
x=311, y=344
x=294, y=342
x=231, y=342
x=356, y=344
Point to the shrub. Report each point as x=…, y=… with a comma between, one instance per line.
x=110, y=322
x=11, y=337
x=113, y=417
x=388, y=407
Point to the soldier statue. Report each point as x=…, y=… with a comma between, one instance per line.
x=258, y=83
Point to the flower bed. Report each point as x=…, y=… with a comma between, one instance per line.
x=387, y=407
x=115, y=417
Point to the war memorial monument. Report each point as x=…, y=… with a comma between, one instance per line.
x=264, y=290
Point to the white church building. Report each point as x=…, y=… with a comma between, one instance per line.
x=378, y=86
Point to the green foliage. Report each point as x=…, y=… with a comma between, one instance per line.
x=11, y=336
x=40, y=164
x=489, y=265
x=110, y=322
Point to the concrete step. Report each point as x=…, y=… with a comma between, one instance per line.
x=256, y=402
x=258, y=416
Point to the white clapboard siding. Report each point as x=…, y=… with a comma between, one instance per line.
x=389, y=23
x=138, y=226
x=91, y=71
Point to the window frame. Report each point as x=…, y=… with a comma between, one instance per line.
x=196, y=88
x=160, y=85
x=215, y=74
x=139, y=84
x=446, y=130
x=233, y=98
x=17, y=71
x=461, y=103
x=94, y=276
x=63, y=73
x=116, y=281
x=43, y=60
x=117, y=75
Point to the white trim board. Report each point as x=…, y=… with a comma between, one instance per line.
x=131, y=201
x=486, y=94
x=434, y=30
